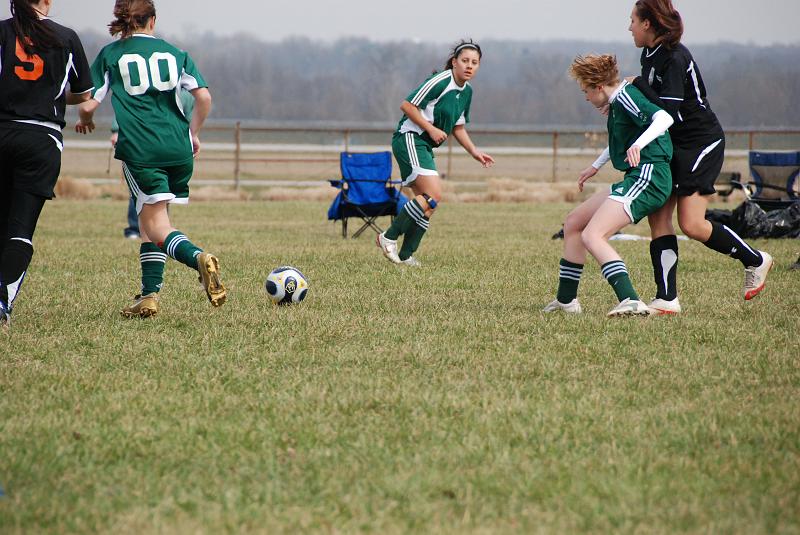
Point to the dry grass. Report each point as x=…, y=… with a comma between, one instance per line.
x=505, y=190
x=514, y=178
x=319, y=193
x=84, y=190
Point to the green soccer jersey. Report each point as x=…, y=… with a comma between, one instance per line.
x=145, y=76
x=442, y=102
x=630, y=114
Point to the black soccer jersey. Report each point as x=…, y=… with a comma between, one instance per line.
x=33, y=88
x=675, y=77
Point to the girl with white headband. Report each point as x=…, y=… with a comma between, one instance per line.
x=433, y=111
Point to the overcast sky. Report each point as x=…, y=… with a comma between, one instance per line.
x=761, y=22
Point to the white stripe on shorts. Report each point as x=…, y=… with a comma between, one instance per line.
x=641, y=184
x=704, y=154
x=412, y=150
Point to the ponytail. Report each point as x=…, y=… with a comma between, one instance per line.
x=664, y=18
x=131, y=15
x=31, y=33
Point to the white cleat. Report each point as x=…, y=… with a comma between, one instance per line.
x=5, y=319
x=573, y=307
x=411, y=261
x=388, y=248
x=629, y=307
x=660, y=307
x=755, y=277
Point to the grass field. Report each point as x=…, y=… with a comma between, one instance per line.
x=436, y=399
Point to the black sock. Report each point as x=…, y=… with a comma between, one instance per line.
x=16, y=258
x=726, y=241
x=664, y=255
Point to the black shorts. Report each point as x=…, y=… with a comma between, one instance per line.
x=697, y=168
x=30, y=158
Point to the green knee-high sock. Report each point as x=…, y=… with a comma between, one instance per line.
x=152, y=260
x=616, y=274
x=178, y=246
x=404, y=220
x=569, y=276
x=413, y=238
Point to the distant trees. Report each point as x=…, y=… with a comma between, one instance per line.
x=525, y=83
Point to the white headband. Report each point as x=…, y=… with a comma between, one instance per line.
x=459, y=48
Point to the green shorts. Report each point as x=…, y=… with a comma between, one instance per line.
x=644, y=189
x=413, y=155
x=149, y=185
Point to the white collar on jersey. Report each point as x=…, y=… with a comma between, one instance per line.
x=143, y=35
x=648, y=52
x=617, y=91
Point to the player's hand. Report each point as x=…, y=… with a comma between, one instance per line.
x=195, y=145
x=438, y=136
x=83, y=127
x=585, y=175
x=634, y=156
x=483, y=158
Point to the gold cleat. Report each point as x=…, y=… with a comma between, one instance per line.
x=208, y=266
x=144, y=306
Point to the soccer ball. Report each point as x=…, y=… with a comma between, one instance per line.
x=286, y=285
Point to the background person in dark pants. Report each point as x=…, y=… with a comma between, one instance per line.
x=132, y=230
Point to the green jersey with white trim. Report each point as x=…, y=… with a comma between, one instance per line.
x=442, y=102
x=630, y=113
x=145, y=76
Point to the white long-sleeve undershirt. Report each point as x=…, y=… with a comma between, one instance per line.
x=661, y=123
x=602, y=159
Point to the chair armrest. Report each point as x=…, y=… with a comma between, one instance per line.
x=744, y=186
x=772, y=186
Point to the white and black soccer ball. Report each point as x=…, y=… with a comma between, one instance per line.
x=286, y=285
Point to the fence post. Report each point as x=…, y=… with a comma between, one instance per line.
x=555, y=156
x=237, y=135
x=751, y=140
x=347, y=140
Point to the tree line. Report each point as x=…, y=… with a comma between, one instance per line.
x=356, y=80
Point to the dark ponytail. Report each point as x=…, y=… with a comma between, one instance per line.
x=31, y=33
x=131, y=15
x=664, y=18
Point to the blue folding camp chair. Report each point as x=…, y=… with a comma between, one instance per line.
x=367, y=190
x=773, y=184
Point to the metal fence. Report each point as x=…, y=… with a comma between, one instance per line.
x=242, y=154
x=562, y=142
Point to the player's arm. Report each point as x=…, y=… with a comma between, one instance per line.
x=202, y=107
x=590, y=171
x=413, y=113
x=77, y=98
x=461, y=135
x=80, y=75
x=660, y=124
x=671, y=95
x=644, y=115
x=86, y=111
